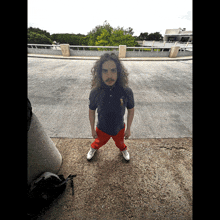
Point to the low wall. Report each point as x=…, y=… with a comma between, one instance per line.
x=90, y=53
x=44, y=51
x=147, y=54
x=184, y=53
x=84, y=51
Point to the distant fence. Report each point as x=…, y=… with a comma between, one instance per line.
x=165, y=44
x=93, y=51
x=76, y=50
x=44, y=49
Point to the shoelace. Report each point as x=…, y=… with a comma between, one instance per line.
x=125, y=153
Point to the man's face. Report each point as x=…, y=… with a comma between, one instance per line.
x=109, y=72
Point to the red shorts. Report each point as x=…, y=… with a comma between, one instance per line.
x=103, y=138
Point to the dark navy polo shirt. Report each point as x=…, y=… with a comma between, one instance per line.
x=110, y=102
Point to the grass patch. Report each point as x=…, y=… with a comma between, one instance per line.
x=147, y=49
x=154, y=49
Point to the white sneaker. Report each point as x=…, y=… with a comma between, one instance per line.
x=126, y=155
x=91, y=153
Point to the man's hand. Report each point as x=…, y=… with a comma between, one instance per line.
x=129, y=121
x=94, y=134
x=127, y=133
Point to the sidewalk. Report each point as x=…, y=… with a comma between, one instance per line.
x=123, y=59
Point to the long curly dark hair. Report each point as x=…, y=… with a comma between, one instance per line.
x=122, y=78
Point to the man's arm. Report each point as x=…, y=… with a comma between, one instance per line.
x=130, y=118
x=92, y=118
x=92, y=122
x=129, y=122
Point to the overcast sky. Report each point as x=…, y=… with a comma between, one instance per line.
x=81, y=16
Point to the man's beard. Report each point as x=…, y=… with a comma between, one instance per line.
x=109, y=80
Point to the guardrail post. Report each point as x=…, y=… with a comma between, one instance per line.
x=174, y=51
x=122, y=51
x=65, y=48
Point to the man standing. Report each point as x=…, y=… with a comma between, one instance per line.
x=110, y=95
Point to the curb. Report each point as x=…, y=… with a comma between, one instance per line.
x=122, y=59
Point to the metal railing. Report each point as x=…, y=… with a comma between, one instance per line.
x=148, y=49
x=166, y=43
x=40, y=45
x=80, y=50
x=77, y=46
x=45, y=46
x=152, y=48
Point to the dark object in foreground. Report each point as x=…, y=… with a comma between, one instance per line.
x=44, y=190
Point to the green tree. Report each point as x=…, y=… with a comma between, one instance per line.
x=105, y=35
x=118, y=37
x=115, y=38
x=71, y=39
x=84, y=40
x=158, y=36
x=103, y=39
x=35, y=38
x=129, y=31
x=143, y=36
x=125, y=31
x=39, y=31
x=152, y=36
x=97, y=31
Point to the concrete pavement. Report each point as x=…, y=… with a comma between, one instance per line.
x=155, y=184
x=59, y=90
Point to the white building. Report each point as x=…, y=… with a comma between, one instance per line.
x=178, y=35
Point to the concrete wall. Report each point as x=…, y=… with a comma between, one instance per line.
x=172, y=31
x=44, y=51
x=90, y=53
x=178, y=37
x=94, y=53
x=184, y=53
x=147, y=54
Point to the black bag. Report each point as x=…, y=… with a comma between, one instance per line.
x=44, y=190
